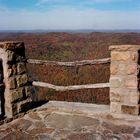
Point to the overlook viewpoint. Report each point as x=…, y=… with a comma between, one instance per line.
x=22, y=117
x=69, y=69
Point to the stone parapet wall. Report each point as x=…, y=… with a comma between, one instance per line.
x=124, y=79
x=17, y=89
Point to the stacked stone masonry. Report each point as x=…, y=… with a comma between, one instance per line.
x=17, y=89
x=124, y=79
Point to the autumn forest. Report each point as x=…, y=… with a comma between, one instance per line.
x=61, y=46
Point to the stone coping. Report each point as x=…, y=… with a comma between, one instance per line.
x=86, y=109
x=11, y=45
x=124, y=47
x=96, y=110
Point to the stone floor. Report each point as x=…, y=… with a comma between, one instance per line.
x=49, y=123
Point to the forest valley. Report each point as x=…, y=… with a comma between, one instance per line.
x=70, y=47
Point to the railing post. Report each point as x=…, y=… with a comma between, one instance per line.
x=17, y=90
x=124, y=79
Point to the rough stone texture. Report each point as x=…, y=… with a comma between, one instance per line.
x=18, y=135
x=28, y=90
x=82, y=136
x=123, y=48
x=11, y=109
x=34, y=115
x=22, y=80
x=14, y=69
x=35, y=131
x=21, y=68
x=59, y=125
x=10, y=56
x=124, y=93
x=24, y=105
x=10, y=72
x=131, y=82
x=135, y=56
x=11, y=83
x=113, y=69
x=17, y=93
x=117, y=129
x=137, y=133
x=39, y=124
x=115, y=107
x=24, y=124
x=121, y=68
x=120, y=56
x=134, y=97
x=127, y=109
x=132, y=69
x=115, y=95
x=116, y=82
x=70, y=122
x=12, y=45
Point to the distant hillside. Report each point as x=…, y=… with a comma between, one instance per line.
x=70, y=47
x=73, y=31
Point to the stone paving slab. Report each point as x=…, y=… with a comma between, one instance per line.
x=49, y=124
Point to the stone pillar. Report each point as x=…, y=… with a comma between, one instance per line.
x=124, y=79
x=17, y=90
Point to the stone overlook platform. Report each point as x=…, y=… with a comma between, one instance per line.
x=72, y=121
